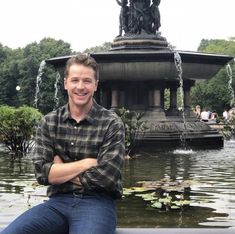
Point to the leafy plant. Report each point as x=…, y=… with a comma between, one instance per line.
x=229, y=128
x=133, y=124
x=17, y=127
x=164, y=195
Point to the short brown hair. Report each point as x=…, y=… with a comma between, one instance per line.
x=83, y=59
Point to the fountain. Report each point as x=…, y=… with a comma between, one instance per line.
x=140, y=66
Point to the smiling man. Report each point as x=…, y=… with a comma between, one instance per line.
x=79, y=153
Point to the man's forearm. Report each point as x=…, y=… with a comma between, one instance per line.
x=63, y=172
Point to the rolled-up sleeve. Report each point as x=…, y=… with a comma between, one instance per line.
x=107, y=174
x=43, y=153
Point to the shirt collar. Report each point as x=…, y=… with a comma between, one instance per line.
x=92, y=114
x=90, y=117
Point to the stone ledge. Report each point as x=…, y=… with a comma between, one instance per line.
x=172, y=231
x=175, y=231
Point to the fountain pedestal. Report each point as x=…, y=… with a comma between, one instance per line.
x=136, y=80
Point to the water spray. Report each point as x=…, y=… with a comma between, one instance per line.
x=178, y=65
x=230, y=82
x=38, y=82
x=56, y=90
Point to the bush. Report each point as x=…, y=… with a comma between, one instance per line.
x=133, y=125
x=229, y=128
x=17, y=127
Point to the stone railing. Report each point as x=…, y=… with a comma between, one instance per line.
x=175, y=231
x=172, y=231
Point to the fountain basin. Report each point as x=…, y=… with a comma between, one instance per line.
x=152, y=65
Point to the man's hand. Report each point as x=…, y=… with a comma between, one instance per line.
x=57, y=159
x=76, y=180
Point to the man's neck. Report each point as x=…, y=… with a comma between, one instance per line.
x=79, y=113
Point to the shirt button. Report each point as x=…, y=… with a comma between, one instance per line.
x=75, y=127
x=72, y=143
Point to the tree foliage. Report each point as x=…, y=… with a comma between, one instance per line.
x=9, y=70
x=104, y=47
x=17, y=127
x=214, y=93
x=20, y=68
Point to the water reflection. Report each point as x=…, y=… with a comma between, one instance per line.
x=212, y=195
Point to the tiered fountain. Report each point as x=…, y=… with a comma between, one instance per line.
x=138, y=68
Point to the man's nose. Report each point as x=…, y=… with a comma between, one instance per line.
x=80, y=85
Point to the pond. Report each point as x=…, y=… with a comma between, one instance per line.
x=211, y=195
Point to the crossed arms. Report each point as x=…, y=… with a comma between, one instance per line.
x=61, y=172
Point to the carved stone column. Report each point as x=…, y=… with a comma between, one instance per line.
x=156, y=98
x=155, y=106
x=115, y=99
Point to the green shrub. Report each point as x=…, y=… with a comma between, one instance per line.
x=133, y=125
x=17, y=127
x=229, y=128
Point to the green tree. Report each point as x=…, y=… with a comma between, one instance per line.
x=215, y=93
x=19, y=68
x=104, y=47
x=9, y=71
x=34, y=54
x=3, y=53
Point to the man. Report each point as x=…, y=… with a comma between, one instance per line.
x=79, y=153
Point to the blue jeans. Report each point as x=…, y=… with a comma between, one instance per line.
x=67, y=214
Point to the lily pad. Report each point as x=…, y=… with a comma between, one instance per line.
x=147, y=196
x=157, y=205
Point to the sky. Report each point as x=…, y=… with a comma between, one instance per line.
x=88, y=23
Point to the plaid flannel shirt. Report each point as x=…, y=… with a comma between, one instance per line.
x=100, y=135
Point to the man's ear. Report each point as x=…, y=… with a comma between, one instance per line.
x=65, y=83
x=96, y=84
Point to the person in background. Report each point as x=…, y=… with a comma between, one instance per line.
x=225, y=116
x=205, y=115
x=198, y=111
x=79, y=154
x=214, y=116
x=231, y=114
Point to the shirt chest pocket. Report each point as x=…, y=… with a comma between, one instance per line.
x=88, y=149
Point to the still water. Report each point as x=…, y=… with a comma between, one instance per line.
x=212, y=194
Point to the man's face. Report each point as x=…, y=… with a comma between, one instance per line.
x=80, y=85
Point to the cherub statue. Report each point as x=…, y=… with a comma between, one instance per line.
x=155, y=14
x=123, y=17
x=138, y=15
